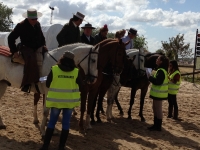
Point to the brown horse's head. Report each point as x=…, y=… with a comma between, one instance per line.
x=150, y=60
x=112, y=51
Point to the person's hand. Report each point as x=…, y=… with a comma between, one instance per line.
x=16, y=55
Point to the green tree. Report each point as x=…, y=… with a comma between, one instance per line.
x=5, y=18
x=160, y=51
x=176, y=48
x=140, y=42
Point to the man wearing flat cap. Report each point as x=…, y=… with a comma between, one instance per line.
x=86, y=36
x=70, y=33
x=32, y=45
x=132, y=33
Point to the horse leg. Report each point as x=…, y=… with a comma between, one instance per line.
x=44, y=120
x=92, y=110
x=133, y=92
x=142, y=97
x=118, y=104
x=35, y=116
x=82, y=109
x=3, y=86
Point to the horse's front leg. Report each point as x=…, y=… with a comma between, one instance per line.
x=142, y=97
x=35, y=116
x=82, y=109
x=3, y=86
x=133, y=92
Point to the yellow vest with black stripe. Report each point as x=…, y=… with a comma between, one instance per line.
x=160, y=91
x=174, y=87
x=63, y=91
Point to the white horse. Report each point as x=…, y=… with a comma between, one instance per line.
x=86, y=56
x=138, y=62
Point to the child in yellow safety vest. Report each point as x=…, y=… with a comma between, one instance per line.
x=63, y=95
x=159, y=91
x=174, y=83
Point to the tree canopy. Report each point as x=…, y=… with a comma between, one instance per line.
x=140, y=42
x=176, y=48
x=5, y=18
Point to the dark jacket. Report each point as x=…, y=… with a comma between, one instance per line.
x=84, y=39
x=98, y=38
x=158, y=80
x=30, y=36
x=63, y=68
x=69, y=34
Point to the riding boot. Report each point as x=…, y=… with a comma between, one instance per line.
x=159, y=125
x=175, y=114
x=170, y=109
x=47, y=139
x=153, y=127
x=63, y=139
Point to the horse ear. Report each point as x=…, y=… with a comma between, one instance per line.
x=127, y=43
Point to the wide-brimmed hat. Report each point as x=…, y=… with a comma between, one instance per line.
x=79, y=15
x=132, y=31
x=88, y=25
x=32, y=14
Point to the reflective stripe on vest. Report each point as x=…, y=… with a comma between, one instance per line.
x=174, y=87
x=63, y=91
x=160, y=91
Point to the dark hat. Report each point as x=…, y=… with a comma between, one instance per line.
x=88, y=25
x=68, y=54
x=79, y=15
x=132, y=31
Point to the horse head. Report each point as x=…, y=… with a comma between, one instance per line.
x=150, y=59
x=112, y=51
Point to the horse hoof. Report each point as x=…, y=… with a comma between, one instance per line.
x=42, y=137
x=2, y=127
x=35, y=121
x=92, y=122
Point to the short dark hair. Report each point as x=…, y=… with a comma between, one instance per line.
x=165, y=62
x=65, y=61
x=174, y=64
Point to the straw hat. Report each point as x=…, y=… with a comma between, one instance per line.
x=32, y=14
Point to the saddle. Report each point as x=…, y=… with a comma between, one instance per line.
x=5, y=51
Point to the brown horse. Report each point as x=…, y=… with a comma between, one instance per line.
x=130, y=77
x=112, y=51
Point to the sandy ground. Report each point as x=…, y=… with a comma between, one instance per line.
x=21, y=134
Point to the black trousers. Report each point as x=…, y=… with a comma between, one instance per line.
x=172, y=101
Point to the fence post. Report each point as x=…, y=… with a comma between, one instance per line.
x=194, y=66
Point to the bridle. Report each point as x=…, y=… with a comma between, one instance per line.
x=89, y=59
x=88, y=55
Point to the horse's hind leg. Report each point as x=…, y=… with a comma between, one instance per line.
x=3, y=86
x=36, y=99
x=44, y=120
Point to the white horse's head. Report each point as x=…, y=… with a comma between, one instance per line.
x=89, y=63
x=139, y=58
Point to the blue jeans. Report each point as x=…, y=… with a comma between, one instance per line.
x=54, y=114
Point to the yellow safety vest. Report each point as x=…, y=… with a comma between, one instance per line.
x=63, y=91
x=174, y=87
x=160, y=91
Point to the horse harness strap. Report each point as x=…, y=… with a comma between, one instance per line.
x=52, y=57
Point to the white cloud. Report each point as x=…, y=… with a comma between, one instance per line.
x=181, y=1
x=166, y=1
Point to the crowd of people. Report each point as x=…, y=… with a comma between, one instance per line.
x=165, y=82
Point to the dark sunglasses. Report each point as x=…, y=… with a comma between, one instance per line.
x=34, y=19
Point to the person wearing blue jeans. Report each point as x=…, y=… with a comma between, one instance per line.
x=63, y=95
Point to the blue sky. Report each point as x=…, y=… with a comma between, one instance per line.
x=157, y=20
